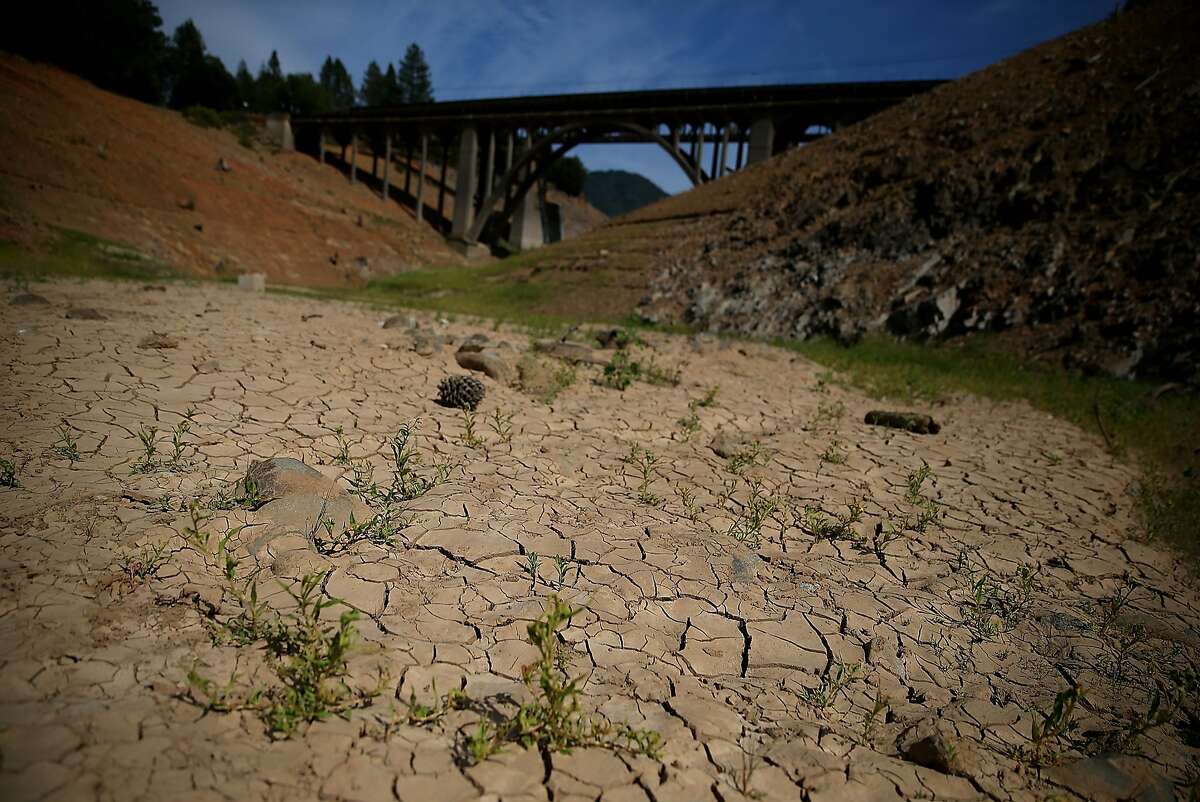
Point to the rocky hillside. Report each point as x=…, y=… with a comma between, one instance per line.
x=617, y=192
x=1050, y=199
x=83, y=159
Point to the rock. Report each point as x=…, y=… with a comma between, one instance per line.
x=939, y=752
x=745, y=567
x=476, y=342
x=158, y=341
x=187, y=204
x=1110, y=777
x=28, y=299
x=285, y=476
x=224, y=166
x=569, y=351
x=253, y=282
x=908, y=421
x=199, y=227
x=426, y=344
x=153, y=288
x=399, y=321
x=725, y=444
x=85, y=313
x=489, y=362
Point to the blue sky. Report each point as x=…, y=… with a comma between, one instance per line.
x=494, y=48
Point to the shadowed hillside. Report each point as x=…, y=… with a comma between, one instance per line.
x=616, y=192
x=1050, y=199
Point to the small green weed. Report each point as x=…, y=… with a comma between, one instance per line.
x=8, y=474
x=307, y=654
x=646, y=464
x=67, y=447
x=140, y=566
x=835, y=453
x=872, y=718
x=148, y=461
x=554, y=721
x=816, y=523
x=1049, y=726
x=753, y=455
x=470, y=438
x=759, y=507
x=834, y=681
x=501, y=423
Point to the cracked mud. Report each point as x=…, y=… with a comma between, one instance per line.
x=966, y=624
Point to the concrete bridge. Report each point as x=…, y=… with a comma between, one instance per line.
x=504, y=147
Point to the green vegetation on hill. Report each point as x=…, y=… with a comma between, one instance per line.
x=617, y=192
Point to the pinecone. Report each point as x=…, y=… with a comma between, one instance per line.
x=461, y=392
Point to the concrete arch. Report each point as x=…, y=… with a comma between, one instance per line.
x=543, y=153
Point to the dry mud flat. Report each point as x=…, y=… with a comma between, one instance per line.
x=759, y=664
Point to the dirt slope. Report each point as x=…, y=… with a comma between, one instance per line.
x=1051, y=197
x=85, y=159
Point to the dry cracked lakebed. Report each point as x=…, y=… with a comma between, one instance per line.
x=824, y=610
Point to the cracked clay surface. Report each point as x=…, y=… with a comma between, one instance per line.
x=720, y=646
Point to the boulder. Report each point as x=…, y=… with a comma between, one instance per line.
x=926, y=746
x=85, y=313
x=908, y=421
x=569, y=351
x=253, y=282
x=284, y=476
x=28, y=299
x=490, y=362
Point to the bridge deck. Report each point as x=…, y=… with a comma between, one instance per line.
x=666, y=105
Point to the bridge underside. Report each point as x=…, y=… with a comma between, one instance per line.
x=504, y=148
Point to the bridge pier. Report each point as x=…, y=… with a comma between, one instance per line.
x=464, y=190
x=442, y=177
x=762, y=140
x=421, y=178
x=321, y=144
x=353, y=157
x=724, y=151
x=489, y=170
x=387, y=162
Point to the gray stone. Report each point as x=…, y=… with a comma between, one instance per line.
x=569, y=351
x=28, y=299
x=399, y=321
x=253, y=282
x=745, y=567
x=284, y=476
x=85, y=313
x=939, y=752
x=1110, y=777
x=488, y=362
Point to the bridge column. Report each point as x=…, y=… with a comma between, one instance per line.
x=442, y=178
x=712, y=171
x=421, y=178
x=526, y=230
x=762, y=140
x=724, y=150
x=407, y=166
x=699, y=154
x=489, y=171
x=321, y=144
x=741, y=150
x=353, y=156
x=387, y=162
x=464, y=190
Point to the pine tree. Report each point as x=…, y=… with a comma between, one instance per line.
x=415, y=83
x=391, y=88
x=271, y=89
x=247, y=94
x=195, y=78
x=373, y=89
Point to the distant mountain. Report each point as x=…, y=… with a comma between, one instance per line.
x=616, y=192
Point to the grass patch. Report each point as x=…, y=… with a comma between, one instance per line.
x=1160, y=436
x=76, y=254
